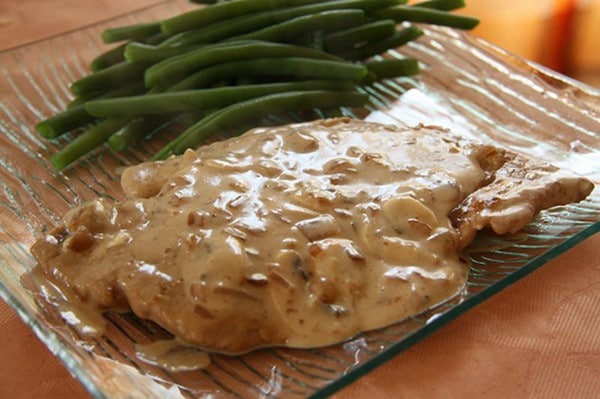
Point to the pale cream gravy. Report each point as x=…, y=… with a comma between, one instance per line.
x=301, y=235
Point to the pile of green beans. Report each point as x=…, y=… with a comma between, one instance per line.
x=231, y=62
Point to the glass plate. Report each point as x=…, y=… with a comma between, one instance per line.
x=466, y=84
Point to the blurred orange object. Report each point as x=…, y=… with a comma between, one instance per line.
x=585, y=50
x=561, y=34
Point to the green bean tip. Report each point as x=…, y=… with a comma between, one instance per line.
x=46, y=130
x=117, y=143
x=58, y=162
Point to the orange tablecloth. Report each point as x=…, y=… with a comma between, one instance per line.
x=540, y=338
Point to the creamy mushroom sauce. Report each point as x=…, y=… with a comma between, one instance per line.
x=301, y=235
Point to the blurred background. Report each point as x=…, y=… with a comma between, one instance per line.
x=561, y=34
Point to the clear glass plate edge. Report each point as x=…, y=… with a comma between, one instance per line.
x=455, y=312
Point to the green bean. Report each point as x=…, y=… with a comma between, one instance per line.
x=136, y=130
x=156, y=39
x=262, y=106
x=168, y=149
x=223, y=11
x=82, y=99
x=173, y=69
x=312, y=40
x=187, y=119
x=379, y=46
x=270, y=67
x=208, y=76
x=445, y=5
x=139, y=128
x=146, y=126
x=326, y=21
x=215, y=74
x=202, y=99
x=138, y=52
x=427, y=15
x=383, y=69
x=361, y=34
x=117, y=54
x=76, y=115
x=63, y=122
x=109, y=78
x=87, y=141
x=108, y=58
x=331, y=113
x=131, y=32
x=249, y=23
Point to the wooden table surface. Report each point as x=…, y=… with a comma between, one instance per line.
x=537, y=339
